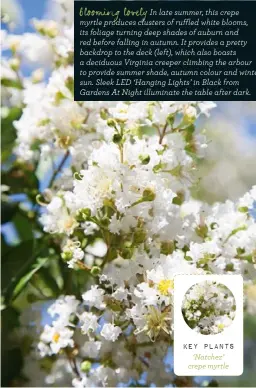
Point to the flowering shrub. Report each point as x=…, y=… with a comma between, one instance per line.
x=208, y=307
x=115, y=224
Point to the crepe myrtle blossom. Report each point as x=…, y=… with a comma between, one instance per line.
x=89, y=322
x=63, y=308
x=59, y=334
x=120, y=210
x=208, y=307
x=110, y=332
x=94, y=297
x=57, y=337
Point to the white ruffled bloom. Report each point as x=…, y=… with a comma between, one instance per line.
x=94, y=297
x=57, y=337
x=64, y=307
x=89, y=322
x=110, y=332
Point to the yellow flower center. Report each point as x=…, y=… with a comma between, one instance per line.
x=157, y=321
x=164, y=286
x=77, y=121
x=56, y=337
x=221, y=326
x=104, y=185
x=64, y=141
x=69, y=222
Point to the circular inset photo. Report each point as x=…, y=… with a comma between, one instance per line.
x=208, y=307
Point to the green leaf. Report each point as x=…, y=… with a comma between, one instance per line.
x=20, y=179
x=190, y=128
x=8, y=131
x=23, y=226
x=8, y=210
x=147, y=130
x=70, y=84
x=15, y=263
x=11, y=357
x=55, y=270
x=170, y=119
x=44, y=282
x=11, y=83
x=9, y=319
x=25, y=279
x=4, y=246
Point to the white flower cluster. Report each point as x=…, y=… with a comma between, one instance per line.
x=122, y=212
x=131, y=223
x=209, y=307
x=59, y=335
x=85, y=333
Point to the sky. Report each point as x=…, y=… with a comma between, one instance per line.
x=31, y=9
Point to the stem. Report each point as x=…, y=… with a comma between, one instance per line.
x=75, y=368
x=81, y=265
x=58, y=169
x=144, y=361
x=72, y=362
x=162, y=135
x=158, y=130
x=121, y=149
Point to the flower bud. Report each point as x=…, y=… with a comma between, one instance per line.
x=95, y=271
x=179, y=199
x=145, y=159
x=117, y=138
x=37, y=76
x=243, y=209
x=86, y=213
x=15, y=64
x=86, y=366
x=139, y=236
x=190, y=114
x=148, y=195
x=167, y=247
x=67, y=255
x=111, y=123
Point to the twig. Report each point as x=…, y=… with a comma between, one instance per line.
x=144, y=361
x=162, y=135
x=81, y=265
x=121, y=149
x=73, y=365
x=58, y=169
x=75, y=368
